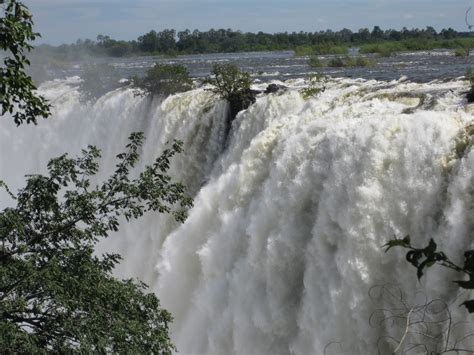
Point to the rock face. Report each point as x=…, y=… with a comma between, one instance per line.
x=241, y=101
x=470, y=95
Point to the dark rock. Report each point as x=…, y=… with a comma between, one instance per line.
x=470, y=95
x=241, y=101
x=273, y=88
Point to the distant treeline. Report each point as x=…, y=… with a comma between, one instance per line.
x=171, y=42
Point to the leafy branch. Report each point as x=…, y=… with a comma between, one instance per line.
x=55, y=292
x=17, y=95
x=424, y=258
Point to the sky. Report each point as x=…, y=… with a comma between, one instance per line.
x=64, y=21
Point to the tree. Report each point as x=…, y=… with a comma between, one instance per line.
x=164, y=79
x=377, y=33
x=232, y=85
x=17, y=94
x=149, y=42
x=55, y=293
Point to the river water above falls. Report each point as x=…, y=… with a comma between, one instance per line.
x=416, y=66
x=284, y=244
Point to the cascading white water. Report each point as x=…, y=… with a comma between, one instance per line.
x=291, y=211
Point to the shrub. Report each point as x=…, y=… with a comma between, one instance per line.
x=336, y=62
x=461, y=52
x=315, y=62
x=316, y=84
x=326, y=48
x=232, y=85
x=320, y=49
x=164, y=79
x=383, y=49
x=363, y=62
x=339, y=62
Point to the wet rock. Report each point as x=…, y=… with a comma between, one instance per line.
x=273, y=88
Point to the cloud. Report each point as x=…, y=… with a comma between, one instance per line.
x=66, y=20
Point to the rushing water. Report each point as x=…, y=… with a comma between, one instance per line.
x=264, y=66
x=284, y=243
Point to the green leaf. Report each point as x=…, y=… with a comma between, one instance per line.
x=413, y=257
x=405, y=243
x=67, y=294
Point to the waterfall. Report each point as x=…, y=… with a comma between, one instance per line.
x=284, y=243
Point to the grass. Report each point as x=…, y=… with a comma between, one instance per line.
x=387, y=48
x=320, y=49
x=461, y=52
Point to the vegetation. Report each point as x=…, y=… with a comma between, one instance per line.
x=172, y=42
x=316, y=85
x=424, y=258
x=163, y=79
x=432, y=320
x=232, y=85
x=56, y=294
x=315, y=62
x=335, y=62
x=320, y=49
x=387, y=48
x=461, y=52
x=340, y=62
x=17, y=94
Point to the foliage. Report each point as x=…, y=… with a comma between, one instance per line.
x=97, y=80
x=16, y=87
x=320, y=49
x=315, y=62
x=360, y=61
x=232, y=85
x=56, y=294
x=163, y=79
x=388, y=48
x=169, y=41
x=112, y=47
x=461, y=52
x=228, y=80
x=316, y=85
x=336, y=62
x=340, y=62
x=424, y=258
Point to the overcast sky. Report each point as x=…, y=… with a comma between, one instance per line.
x=64, y=21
